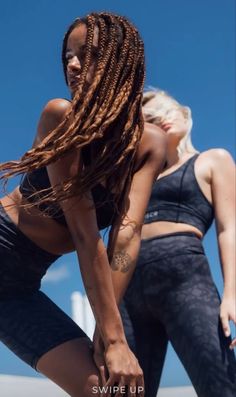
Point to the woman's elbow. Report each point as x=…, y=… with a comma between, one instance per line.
x=130, y=236
x=85, y=236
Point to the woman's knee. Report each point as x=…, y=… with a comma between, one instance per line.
x=92, y=386
x=90, y=389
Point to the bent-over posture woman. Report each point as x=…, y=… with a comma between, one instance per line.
x=90, y=166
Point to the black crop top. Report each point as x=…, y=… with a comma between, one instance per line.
x=38, y=180
x=177, y=197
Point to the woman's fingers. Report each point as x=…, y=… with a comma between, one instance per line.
x=110, y=387
x=124, y=371
x=132, y=389
x=140, y=386
x=125, y=386
x=226, y=328
x=102, y=371
x=101, y=365
x=225, y=325
x=232, y=344
x=121, y=388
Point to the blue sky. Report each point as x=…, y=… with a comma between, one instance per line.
x=190, y=52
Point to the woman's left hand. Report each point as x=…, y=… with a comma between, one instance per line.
x=227, y=313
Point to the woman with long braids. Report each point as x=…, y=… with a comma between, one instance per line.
x=172, y=296
x=90, y=166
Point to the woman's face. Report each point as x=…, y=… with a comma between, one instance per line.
x=75, y=56
x=172, y=120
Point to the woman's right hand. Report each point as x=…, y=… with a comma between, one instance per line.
x=124, y=371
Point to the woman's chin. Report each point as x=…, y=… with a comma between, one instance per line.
x=175, y=132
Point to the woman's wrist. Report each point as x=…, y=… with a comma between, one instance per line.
x=114, y=334
x=115, y=343
x=229, y=292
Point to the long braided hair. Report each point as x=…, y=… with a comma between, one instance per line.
x=108, y=113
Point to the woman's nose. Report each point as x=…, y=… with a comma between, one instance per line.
x=74, y=64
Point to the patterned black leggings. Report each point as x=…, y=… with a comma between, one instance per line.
x=172, y=297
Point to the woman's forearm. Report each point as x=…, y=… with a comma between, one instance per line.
x=123, y=263
x=226, y=241
x=96, y=274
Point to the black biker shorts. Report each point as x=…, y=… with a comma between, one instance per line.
x=30, y=323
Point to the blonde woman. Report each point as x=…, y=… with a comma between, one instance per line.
x=172, y=296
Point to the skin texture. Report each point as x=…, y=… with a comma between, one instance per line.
x=215, y=171
x=103, y=288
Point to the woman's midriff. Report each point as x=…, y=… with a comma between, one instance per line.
x=155, y=229
x=42, y=230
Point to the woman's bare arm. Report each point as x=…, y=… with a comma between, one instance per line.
x=223, y=195
x=152, y=154
x=82, y=224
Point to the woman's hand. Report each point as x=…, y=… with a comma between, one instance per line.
x=124, y=371
x=98, y=356
x=118, y=368
x=227, y=313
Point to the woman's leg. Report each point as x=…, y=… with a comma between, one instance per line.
x=150, y=341
x=71, y=366
x=151, y=345
x=191, y=317
x=178, y=289
x=146, y=337
x=43, y=336
x=31, y=325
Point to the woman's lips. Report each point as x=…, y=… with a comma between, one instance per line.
x=166, y=126
x=73, y=81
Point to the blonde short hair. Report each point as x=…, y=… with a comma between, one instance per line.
x=161, y=102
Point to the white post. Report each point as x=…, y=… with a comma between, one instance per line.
x=82, y=313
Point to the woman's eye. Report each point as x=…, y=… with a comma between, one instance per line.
x=158, y=120
x=68, y=57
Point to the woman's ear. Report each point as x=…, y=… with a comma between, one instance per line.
x=147, y=96
x=187, y=112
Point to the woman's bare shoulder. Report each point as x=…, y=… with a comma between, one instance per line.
x=56, y=107
x=214, y=162
x=215, y=156
x=53, y=113
x=152, y=148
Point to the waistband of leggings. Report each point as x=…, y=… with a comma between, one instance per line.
x=168, y=235
x=170, y=245
x=23, y=238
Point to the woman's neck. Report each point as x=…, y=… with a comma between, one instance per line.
x=173, y=157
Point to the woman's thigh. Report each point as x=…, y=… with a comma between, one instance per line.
x=191, y=318
x=32, y=325
x=71, y=366
x=148, y=340
x=151, y=345
x=43, y=336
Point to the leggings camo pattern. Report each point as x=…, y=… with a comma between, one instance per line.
x=172, y=297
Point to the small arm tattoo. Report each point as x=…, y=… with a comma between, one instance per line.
x=121, y=261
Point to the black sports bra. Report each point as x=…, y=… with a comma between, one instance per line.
x=177, y=197
x=37, y=180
